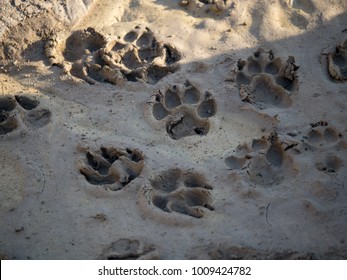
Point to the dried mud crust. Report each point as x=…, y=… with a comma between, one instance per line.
x=128, y=249
x=183, y=109
x=266, y=81
x=265, y=162
x=113, y=167
x=21, y=110
x=337, y=63
x=182, y=192
x=205, y=6
x=137, y=56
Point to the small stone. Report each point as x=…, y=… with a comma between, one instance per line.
x=19, y=229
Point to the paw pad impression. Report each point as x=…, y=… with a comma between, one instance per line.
x=186, y=193
x=21, y=109
x=184, y=110
x=112, y=166
x=266, y=81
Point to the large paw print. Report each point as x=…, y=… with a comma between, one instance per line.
x=137, y=56
x=265, y=162
x=21, y=110
x=184, y=110
x=266, y=81
x=113, y=167
x=337, y=62
x=182, y=192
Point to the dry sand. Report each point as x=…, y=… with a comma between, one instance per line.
x=173, y=129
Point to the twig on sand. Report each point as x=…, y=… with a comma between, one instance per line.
x=266, y=213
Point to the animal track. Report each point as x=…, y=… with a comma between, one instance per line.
x=186, y=193
x=301, y=12
x=266, y=81
x=127, y=249
x=337, y=62
x=321, y=135
x=27, y=113
x=265, y=162
x=138, y=56
x=184, y=110
x=113, y=167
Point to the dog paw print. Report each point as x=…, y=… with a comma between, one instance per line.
x=183, y=110
x=337, y=63
x=137, y=56
x=265, y=162
x=113, y=167
x=325, y=139
x=186, y=193
x=266, y=81
x=21, y=111
x=128, y=249
x=321, y=135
